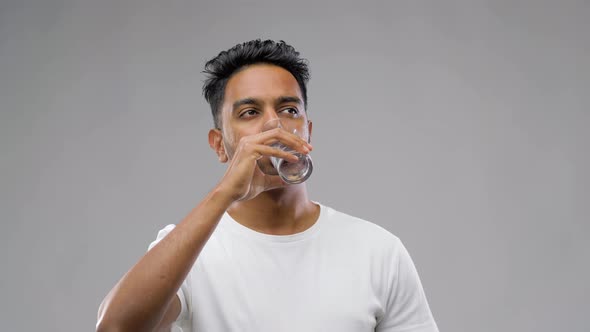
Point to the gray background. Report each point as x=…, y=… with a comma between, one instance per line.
x=461, y=127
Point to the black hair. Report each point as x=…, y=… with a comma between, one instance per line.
x=221, y=68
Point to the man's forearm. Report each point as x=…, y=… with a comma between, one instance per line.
x=140, y=299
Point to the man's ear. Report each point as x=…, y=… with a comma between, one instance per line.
x=309, y=127
x=216, y=143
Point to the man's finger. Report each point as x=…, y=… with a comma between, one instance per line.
x=278, y=135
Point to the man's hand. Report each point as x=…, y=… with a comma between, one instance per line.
x=243, y=180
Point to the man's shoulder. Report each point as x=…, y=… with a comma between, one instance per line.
x=352, y=226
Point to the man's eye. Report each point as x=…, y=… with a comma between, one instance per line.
x=292, y=110
x=248, y=113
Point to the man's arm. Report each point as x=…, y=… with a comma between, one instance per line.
x=170, y=316
x=143, y=298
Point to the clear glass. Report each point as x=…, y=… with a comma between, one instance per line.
x=291, y=172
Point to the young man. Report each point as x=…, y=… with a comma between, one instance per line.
x=257, y=254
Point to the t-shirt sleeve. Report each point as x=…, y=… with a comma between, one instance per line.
x=406, y=308
x=184, y=291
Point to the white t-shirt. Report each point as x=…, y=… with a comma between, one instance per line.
x=342, y=274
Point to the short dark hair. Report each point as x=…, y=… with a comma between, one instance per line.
x=221, y=68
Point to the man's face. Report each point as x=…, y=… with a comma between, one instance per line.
x=255, y=95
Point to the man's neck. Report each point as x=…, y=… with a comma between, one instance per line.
x=281, y=211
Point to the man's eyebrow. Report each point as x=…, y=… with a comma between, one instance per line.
x=289, y=99
x=245, y=101
x=254, y=101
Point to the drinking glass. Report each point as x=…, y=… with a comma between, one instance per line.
x=291, y=172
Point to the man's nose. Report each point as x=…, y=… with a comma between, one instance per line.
x=271, y=118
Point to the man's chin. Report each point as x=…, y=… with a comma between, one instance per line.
x=275, y=182
x=266, y=167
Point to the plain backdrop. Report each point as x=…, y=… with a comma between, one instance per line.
x=460, y=126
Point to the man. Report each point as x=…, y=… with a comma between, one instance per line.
x=257, y=254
